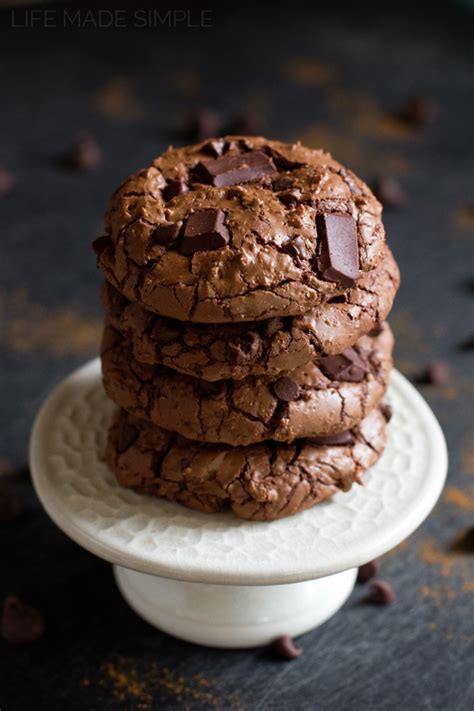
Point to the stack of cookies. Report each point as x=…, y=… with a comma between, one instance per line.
x=245, y=343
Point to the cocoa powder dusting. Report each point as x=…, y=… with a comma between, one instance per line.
x=117, y=100
x=28, y=327
x=459, y=498
x=142, y=684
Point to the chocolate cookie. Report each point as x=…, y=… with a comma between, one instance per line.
x=318, y=398
x=240, y=229
x=260, y=482
x=216, y=352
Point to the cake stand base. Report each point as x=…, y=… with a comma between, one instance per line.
x=216, y=579
x=233, y=616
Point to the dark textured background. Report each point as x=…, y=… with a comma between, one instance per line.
x=327, y=74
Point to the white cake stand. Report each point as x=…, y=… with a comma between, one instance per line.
x=215, y=579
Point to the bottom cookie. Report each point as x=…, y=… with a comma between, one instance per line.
x=262, y=482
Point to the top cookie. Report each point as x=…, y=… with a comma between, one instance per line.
x=238, y=229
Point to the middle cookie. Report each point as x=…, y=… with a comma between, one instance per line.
x=319, y=398
x=237, y=350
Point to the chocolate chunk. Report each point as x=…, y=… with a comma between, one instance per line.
x=271, y=326
x=380, y=593
x=205, y=230
x=173, y=188
x=165, y=234
x=347, y=366
x=386, y=411
x=100, y=244
x=126, y=436
x=341, y=439
x=166, y=330
x=7, y=182
x=389, y=191
x=283, y=182
x=20, y=624
x=419, y=111
x=376, y=331
x=338, y=253
x=244, y=348
x=216, y=389
x=437, y=373
x=286, y=389
x=235, y=169
x=86, y=154
x=367, y=571
x=203, y=123
x=290, y=198
x=341, y=299
x=9, y=504
x=285, y=648
x=215, y=148
x=281, y=162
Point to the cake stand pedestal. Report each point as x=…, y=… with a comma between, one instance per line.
x=214, y=579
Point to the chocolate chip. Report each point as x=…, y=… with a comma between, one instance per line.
x=465, y=542
x=340, y=439
x=468, y=343
x=248, y=122
x=173, y=188
x=347, y=366
x=244, y=348
x=234, y=169
x=9, y=504
x=283, y=182
x=7, y=182
x=380, y=593
x=367, y=571
x=286, y=389
x=419, y=111
x=166, y=233
x=338, y=253
x=126, y=436
x=436, y=373
x=203, y=123
x=271, y=326
x=205, y=230
x=20, y=624
x=341, y=299
x=216, y=389
x=285, y=648
x=389, y=191
x=86, y=154
x=386, y=411
x=100, y=244
x=166, y=330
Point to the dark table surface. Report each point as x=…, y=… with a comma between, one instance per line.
x=330, y=75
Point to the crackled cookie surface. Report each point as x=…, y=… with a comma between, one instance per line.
x=259, y=482
x=321, y=397
x=240, y=228
x=236, y=350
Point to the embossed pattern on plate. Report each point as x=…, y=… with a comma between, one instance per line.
x=154, y=536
